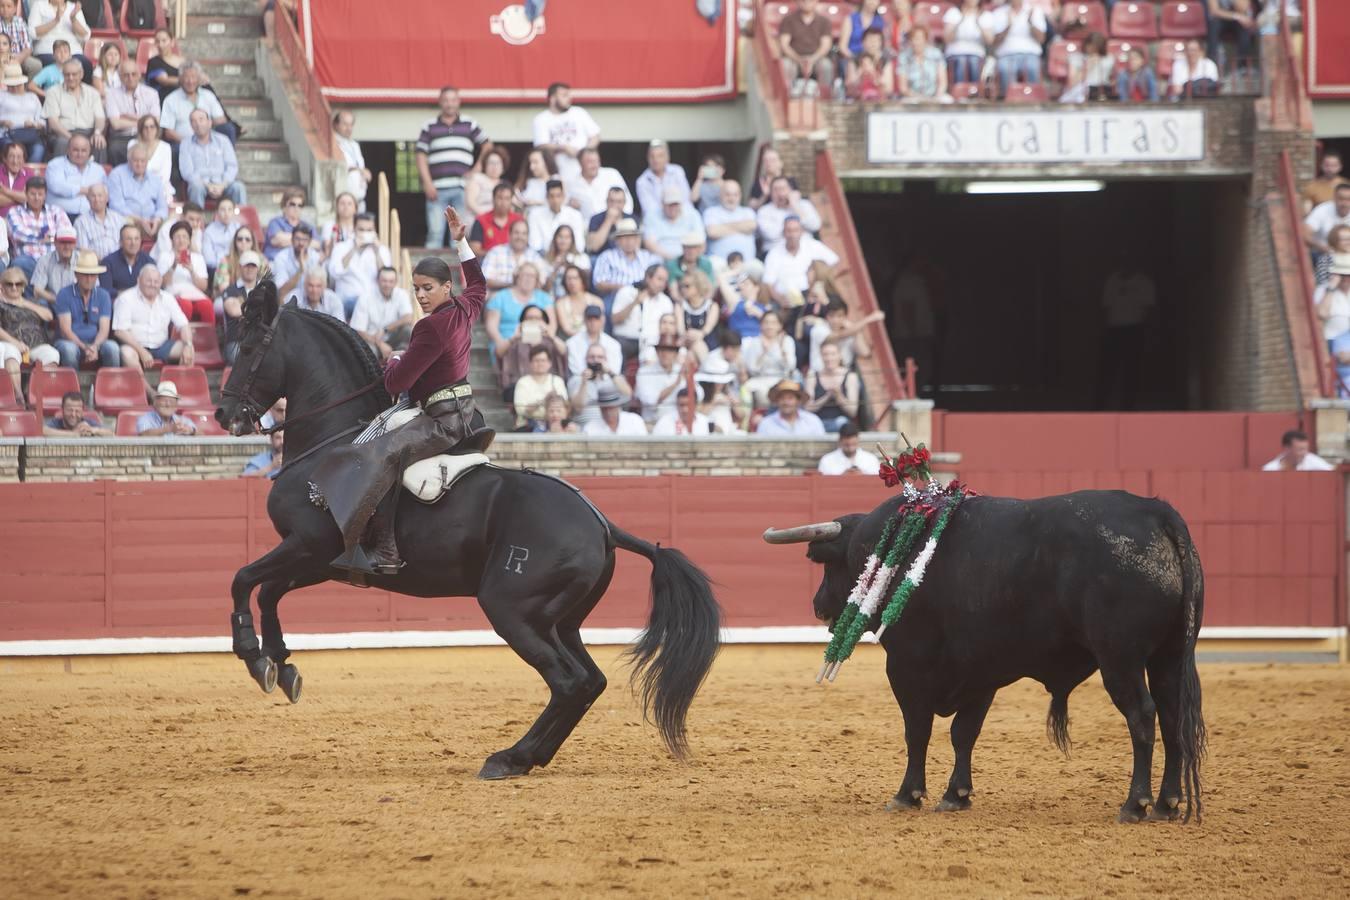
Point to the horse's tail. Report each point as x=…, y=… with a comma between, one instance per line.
x=1193, y=736
x=673, y=654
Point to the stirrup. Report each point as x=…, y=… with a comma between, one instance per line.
x=356, y=560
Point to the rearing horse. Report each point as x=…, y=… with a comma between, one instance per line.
x=536, y=553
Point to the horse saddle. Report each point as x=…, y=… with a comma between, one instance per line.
x=429, y=479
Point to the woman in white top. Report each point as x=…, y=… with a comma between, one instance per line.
x=478, y=187
x=562, y=253
x=967, y=39
x=106, y=75
x=184, y=271
x=638, y=309
x=1333, y=299
x=1193, y=75
x=1018, y=30
x=343, y=226
x=50, y=21
x=161, y=157
x=531, y=185
x=534, y=388
x=769, y=359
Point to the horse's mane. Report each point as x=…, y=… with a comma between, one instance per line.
x=344, y=333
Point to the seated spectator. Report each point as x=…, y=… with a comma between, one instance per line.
x=358, y=176
x=22, y=117
x=1235, y=18
x=533, y=388
x=569, y=308
x=664, y=232
x=1018, y=31
x=786, y=266
x=290, y=265
x=730, y=227
x=493, y=228
x=99, y=229
x=691, y=258
x=316, y=297
x=553, y=213
x=698, y=313
x=74, y=420
x=593, y=332
x=726, y=359
x=600, y=228
x=1136, y=83
x=480, y=185
x=1340, y=356
x=279, y=230
x=589, y=190
x=532, y=183
x=623, y=264
x=14, y=175
x=176, y=108
x=1194, y=74
x=267, y=463
x=659, y=380
x=848, y=335
x=70, y=177
x=668, y=332
x=232, y=301
x=355, y=264
x=75, y=108
x=595, y=380
x=163, y=418
x=784, y=202
x=208, y=165
x=1092, y=73
x=195, y=216
x=848, y=456
x=706, y=190
x=1296, y=456
x=770, y=357
x=769, y=168
x=684, y=419
x=923, y=72
x=25, y=325
x=184, y=272
x=56, y=270
x=805, y=40
x=384, y=316
x=503, y=262
x=1338, y=241
x=721, y=404
x=1333, y=298
x=150, y=325
x=502, y=314
x=789, y=419
x=33, y=226
x=612, y=420
x=343, y=226
x=107, y=71
x=84, y=317
x=660, y=176
x=1318, y=224
x=49, y=76
x=158, y=154
x=50, y=21
x=125, y=263
x=218, y=237
x=125, y=104
x=137, y=193
x=811, y=313
x=227, y=269
x=746, y=299
x=638, y=309
x=965, y=41
x=1321, y=189
x=563, y=254
x=161, y=72
x=556, y=419
x=870, y=76
x=15, y=28
x=832, y=391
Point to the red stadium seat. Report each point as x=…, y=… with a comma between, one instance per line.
x=108, y=28
x=19, y=423
x=206, y=347
x=160, y=21
x=205, y=419
x=966, y=90
x=1136, y=21
x=1080, y=18
x=1183, y=20
x=929, y=14
x=126, y=422
x=145, y=51
x=1057, y=66
x=7, y=398
x=249, y=215
x=1027, y=93
x=51, y=382
x=193, y=391
x=117, y=389
x=93, y=47
x=1169, y=52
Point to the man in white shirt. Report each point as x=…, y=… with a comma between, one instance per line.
x=659, y=380
x=589, y=191
x=614, y=421
x=384, y=316
x=566, y=130
x=786, y=266
x=579, y=344
x=730, y=225
x=1297, y=457
x=676, y=422
x=783, y=203
x=358, y=176
x=587, y=386
x=554, y=212
x=848, y=457
x=145, y=320
x=1326, y=216
x=354, y=265
x=789, y=420
x=659, y=175
x=317, y=297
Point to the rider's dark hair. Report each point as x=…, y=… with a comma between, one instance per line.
x=433, y=267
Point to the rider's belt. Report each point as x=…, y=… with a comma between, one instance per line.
x=453, y=392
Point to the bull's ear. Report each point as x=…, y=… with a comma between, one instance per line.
x=835, y=549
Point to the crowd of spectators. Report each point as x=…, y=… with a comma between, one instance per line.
x=1326, y=230
x=937, y=52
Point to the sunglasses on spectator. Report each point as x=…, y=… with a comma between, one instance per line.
x=15, y=283
x=295, y=204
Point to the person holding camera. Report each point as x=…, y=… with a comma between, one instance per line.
x=706, y=190
x=355, y=265
x=597, y=379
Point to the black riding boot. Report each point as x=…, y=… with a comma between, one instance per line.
x=377, y=554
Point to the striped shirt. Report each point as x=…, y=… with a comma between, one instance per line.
x=17, y=29
x=450, y=149
x=612, y=267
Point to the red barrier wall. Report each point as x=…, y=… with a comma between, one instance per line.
x=125, y=559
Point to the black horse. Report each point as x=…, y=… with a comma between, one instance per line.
x=536, y=553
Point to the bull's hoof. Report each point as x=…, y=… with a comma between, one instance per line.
x=1135, y=810
x=500, y=765
x=1169, y=810
x=955, y=801
x=290, y=681
x=906, y=800
x=264, y=671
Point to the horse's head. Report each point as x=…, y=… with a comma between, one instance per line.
x=257, y=379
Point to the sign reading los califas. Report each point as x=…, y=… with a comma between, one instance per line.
x=1101, y=134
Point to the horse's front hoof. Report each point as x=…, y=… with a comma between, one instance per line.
x=1169, y=810
x=290, y=681
x=264, y=671
x=500, y=765
x=1135, y=810
x=955, y=802
x=906, y=800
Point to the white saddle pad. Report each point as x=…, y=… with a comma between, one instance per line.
x=428, y=479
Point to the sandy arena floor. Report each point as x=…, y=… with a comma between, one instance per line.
x=176, y=777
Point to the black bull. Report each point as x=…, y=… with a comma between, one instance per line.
x=1052, y=589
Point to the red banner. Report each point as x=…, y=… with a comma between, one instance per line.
x=1326, y=28
x=614, y=51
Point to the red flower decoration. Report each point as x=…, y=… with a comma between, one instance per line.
x=889, y=475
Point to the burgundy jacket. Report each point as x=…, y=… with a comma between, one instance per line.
x=438, y=352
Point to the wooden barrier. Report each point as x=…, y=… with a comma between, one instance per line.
x=118, y=559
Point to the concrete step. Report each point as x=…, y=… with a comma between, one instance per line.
x=238, y=88
x=230, y=69
x=261, y=151
x=255, y=109
x=206, y=29
x=260, y=130
x=223, y=46
x=202, y=9
x=253, y=172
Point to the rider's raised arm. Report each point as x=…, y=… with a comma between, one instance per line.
x=475, y=285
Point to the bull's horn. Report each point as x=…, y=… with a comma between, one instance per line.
x=802, y=533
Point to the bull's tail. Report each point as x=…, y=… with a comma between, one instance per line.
x=1193, y=737
x=673, y=654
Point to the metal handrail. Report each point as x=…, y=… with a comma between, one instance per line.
x=767, y=61
x=1288, y=188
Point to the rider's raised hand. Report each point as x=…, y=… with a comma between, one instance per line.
x=457, y=228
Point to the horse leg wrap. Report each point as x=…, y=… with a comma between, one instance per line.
x=273, y=644
x=246, y=645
